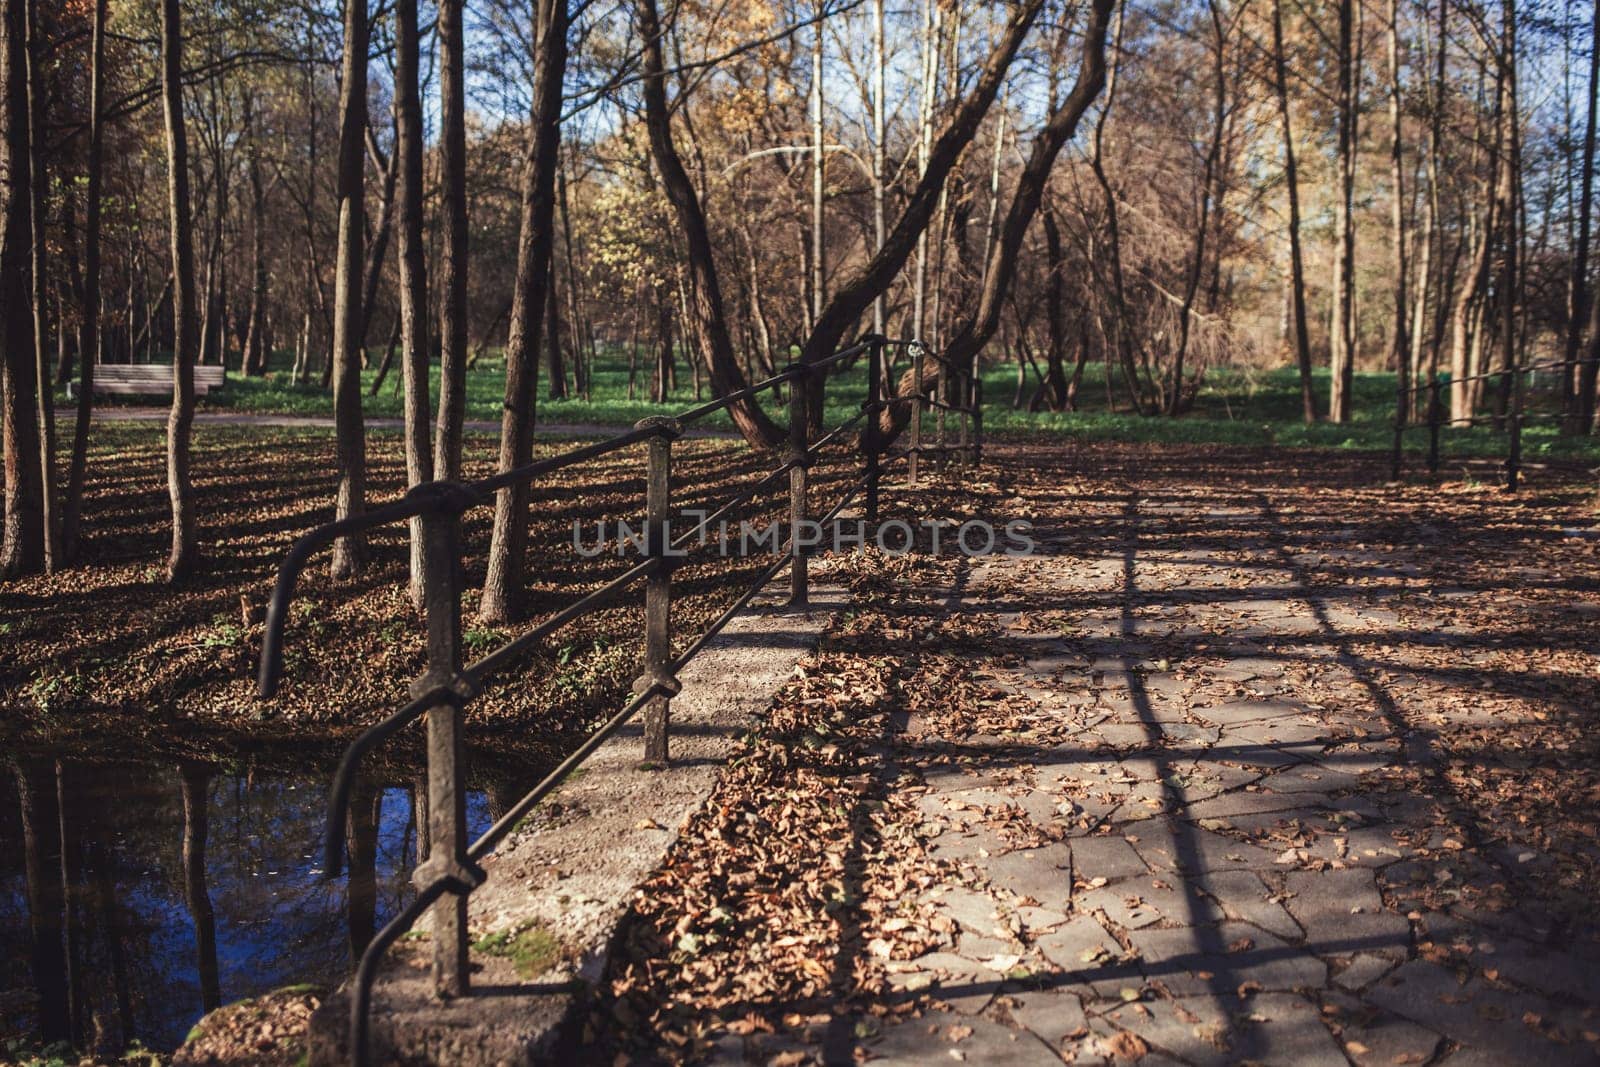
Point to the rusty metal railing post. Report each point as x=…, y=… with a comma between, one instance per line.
x=918, y=352
x=963, y=399
x=977, y=421
x=1402, y=404
x=945, y=392
x=658, y=586
x=1514, y=445
x=447, y=794
x=800, y=456
x=1435, y=413
x=870, y=436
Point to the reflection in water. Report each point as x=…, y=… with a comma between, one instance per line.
x=134, y=897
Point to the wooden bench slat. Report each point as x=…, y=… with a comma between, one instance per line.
x=149, y=379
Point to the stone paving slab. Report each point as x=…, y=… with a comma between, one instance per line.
x=1225, y=882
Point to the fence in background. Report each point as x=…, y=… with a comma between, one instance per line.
x=1513, y=389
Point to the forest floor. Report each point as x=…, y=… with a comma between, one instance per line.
x=1258, y=759
x=1260, y=756
x=108, y=654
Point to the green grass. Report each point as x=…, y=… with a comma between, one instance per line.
x=1233, y=407
x=532, y=950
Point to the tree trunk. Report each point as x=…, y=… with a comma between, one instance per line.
x=254, y=361
x=880, y=159
x=196, y=822
x=1461, y=393
x=23, y=550
x=1119, y=295
x=453, y=261
x=1590, y=378
x=754, y=423
x=413, y=320
x=185, y=547
x=1510, y=196
x=350, y=447
x=552, y=336
x=555, y=359
x=38, y=191
x=1047, y=144
x=89, y=324
x=1055, y=382
x=1578, y=295
x=1175, y=398
x=502, y=589
x=1297, y=270
x=932, y=32
x=661, y=380
x=1397, y=219
x=851, y=298
x=1344, y=322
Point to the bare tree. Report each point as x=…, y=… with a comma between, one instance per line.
x=180, y=421
x=23, y=550
x=857, y=292
x=1047, y=144
x=89, y=313
x=453, y=260
x=350, y=445
x=1291, y=177
x=1580, y=388
x=413, y=270
x=502, y=588
x=1344, y=297
x=709, y=314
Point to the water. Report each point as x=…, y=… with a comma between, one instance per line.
x=181, y=888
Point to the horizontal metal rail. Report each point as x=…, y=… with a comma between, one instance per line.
x=451, y=872
x=1512, y=394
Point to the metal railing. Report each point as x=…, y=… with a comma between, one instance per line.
x=1513, y=386
x=960, y=393
x=451, y=871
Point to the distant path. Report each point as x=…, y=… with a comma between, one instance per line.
x=325, y=422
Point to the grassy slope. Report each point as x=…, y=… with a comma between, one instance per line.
x=1234, y=407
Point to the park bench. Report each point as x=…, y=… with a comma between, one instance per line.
x=148, y=379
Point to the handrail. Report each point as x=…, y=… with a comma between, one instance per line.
x=451, y=873
x=1513, y=384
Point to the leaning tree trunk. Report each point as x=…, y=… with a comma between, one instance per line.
x=23, y=548
x=180, y=421
x=502, y=588
x=708, y=310
x=1047, y=144
x=350, y=445
x=849, y=300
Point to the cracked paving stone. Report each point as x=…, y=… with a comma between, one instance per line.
x=1244, y=896
x=1342, y=913
x=973, y=1039
x=1220, y=959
